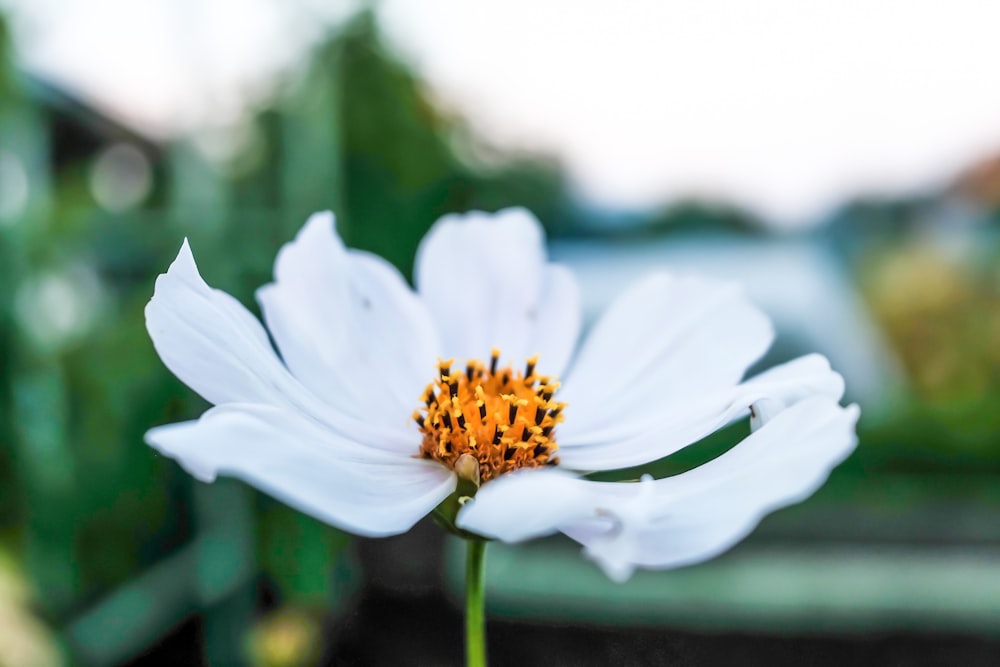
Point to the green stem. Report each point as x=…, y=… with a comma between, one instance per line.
x=475, y=617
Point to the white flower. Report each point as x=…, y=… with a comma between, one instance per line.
x=330, y=427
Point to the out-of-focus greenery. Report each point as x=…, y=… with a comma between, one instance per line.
x=118, y=544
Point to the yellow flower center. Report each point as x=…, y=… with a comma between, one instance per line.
x=502, y=419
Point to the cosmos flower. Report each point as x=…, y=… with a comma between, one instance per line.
x=385, y=400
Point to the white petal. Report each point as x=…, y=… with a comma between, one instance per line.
x=345, y=484
x=560, y=317
x=527, y=504
x=701, y=513
x=662, y=341
x=764, y=410
x=678, y=520
x=486, y=282
x=210, y=341
x=789, y=383
x=348, y=326
x=216, y=347
x=640, y=437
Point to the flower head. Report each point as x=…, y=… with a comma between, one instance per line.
x=384, y=398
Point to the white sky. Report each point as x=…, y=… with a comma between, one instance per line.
x=784, y=106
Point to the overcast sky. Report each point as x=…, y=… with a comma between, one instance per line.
x=784, y=106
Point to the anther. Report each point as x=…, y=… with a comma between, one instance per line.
x=419, y=418
x=496, y=435
x=530, y=366
x=509, y=454
x=494, y=358
x=539, y=415
x=469, y=371
x=505, y=379
x=453, y=388
x=460, y=418
x=547, y=430
x=482, y=410
x=445, y=368
x=446, y=418
x=539, y=450
x=525, y=434
x=512, y=413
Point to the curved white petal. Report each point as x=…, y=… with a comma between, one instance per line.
x=348, y=485
x=348, y=326
x=701, y=513
x=527, y=504
x=485, y=280
x=215, y=346
x=677, y=520
x=640, y=437
x=787, y=384
x=210, y=341
x=663, y=341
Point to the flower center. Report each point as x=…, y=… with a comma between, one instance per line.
x=502, y=419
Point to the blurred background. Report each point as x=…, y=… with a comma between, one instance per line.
x=843, y=162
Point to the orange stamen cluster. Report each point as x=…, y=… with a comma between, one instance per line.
x=505, y=419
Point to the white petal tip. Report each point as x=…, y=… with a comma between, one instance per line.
x=183, y=269
x=169, y=441
x=184, y=259
x=324, y=219
x=317, y=235
x=515, y=215
x=617, y=571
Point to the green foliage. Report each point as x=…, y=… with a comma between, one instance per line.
x=7, y=87
x=400, y=172
x=103, y=523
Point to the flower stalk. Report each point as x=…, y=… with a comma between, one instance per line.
x=475, y=597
